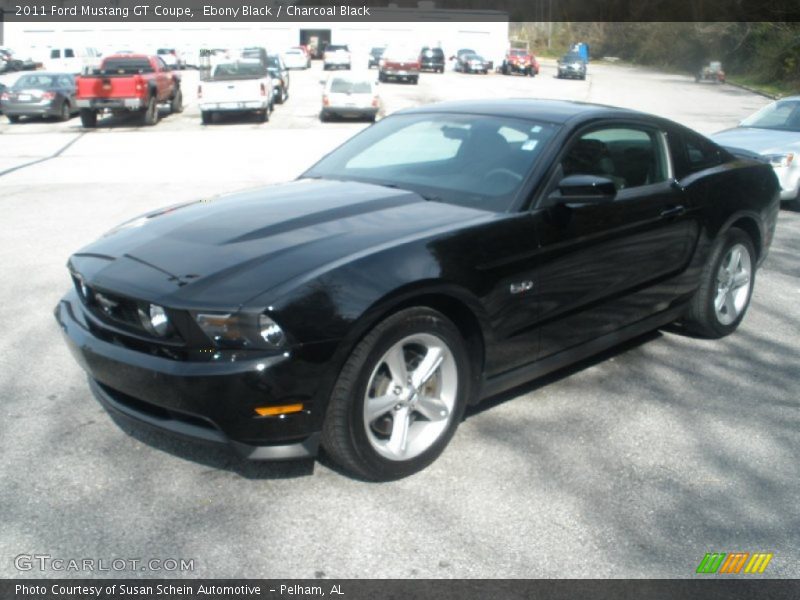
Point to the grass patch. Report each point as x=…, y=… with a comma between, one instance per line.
x=775, y=89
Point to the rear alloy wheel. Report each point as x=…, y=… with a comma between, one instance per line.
x=399, y=397
x=66, y=111
x=726, y=286
x=88, y=118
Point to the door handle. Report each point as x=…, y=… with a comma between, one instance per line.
x=672, y=212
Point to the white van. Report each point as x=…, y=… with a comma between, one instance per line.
x=71, y=59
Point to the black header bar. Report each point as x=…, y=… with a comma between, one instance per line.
x=399, y=10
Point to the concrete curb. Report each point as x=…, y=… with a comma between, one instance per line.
x=753, y=90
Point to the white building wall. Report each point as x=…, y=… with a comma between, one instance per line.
x=487, y=38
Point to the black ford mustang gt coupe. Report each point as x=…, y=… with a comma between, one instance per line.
x=444, y=255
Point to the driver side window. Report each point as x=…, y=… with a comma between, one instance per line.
x=628, y=156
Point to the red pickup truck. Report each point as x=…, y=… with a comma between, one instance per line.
x=520, y=61
x=128, y=82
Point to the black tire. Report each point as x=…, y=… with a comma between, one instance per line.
x=176, y=105
x=88, y=118
x=66, y=111
x=13, y=118
x=414, y=80
x=206, y=116
x=324, y=117
x=793, y=204
x=262, y=115
x=282, y=95
x=345, y=435
x=150, y=114
x=381, y=77
x=701, y=317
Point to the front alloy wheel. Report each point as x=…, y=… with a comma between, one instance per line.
x=410, y=397
x=399, y=397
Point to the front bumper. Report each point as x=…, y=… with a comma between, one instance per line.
x=212, y=402
x=111, y=103
x=234, y=106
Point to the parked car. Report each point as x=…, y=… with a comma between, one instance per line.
x=11, y=61
x=472, y=63
x=432, y=59
x=296, y=58
x=40, y=94
x=774, y=134
x=171, y=57
x=571, y=66
x=351, y=96
x=399, y=63
x=458, y=55
x=711, y=72
x=72, y=59
x=128, y=83
x=244, y=86
x=336, y=56
x=520, y=61
x=281, y=80
x=441, y=256
x=375, y=55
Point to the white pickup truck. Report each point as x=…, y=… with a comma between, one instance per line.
x=236, y=86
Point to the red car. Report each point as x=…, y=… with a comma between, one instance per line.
x=520, y=61
x=128, y=83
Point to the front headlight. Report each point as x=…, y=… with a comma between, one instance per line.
x=780, y=160
x=241, y=330
x=154, y=319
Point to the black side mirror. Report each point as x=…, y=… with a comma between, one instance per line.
x=585, y=189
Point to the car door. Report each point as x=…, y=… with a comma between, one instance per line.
x=605, y=263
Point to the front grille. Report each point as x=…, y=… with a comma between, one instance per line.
x=115, y=319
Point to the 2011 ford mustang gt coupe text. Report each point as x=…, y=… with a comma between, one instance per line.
x=444, y=255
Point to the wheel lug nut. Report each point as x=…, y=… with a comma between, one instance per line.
x=397, y=390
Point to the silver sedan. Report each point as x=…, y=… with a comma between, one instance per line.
x=773, y=133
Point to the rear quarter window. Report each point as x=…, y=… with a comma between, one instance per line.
x=693, y=153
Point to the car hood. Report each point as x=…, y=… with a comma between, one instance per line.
x=761, y=141
x=226, y=251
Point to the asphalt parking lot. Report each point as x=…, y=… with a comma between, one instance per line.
x=633, y=464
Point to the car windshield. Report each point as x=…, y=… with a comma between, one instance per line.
x=348, y=86
x=273, y=61
x=572, y=58
x=519, y=53
x=238, y=70
x=35, y=82
x=127, y=66
x=477, y=57
x=475, y=161
x=783, y=115
x=336, y=48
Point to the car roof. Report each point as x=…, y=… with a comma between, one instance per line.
x=551, y=111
